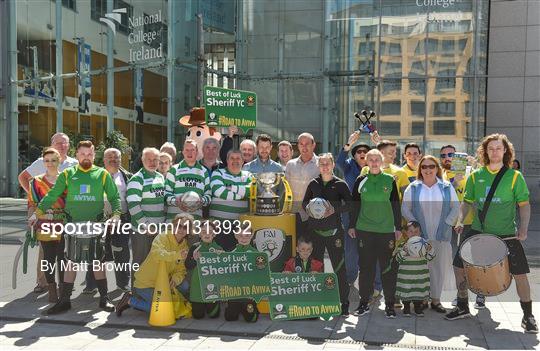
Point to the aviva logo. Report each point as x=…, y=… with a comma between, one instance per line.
x=111, y=18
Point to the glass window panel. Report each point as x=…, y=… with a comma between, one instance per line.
x=445, y=84
x=418, y=108
x=417, y=128
x=444, y=127
x=390, y=128
x=391, y=108
x=444, y=108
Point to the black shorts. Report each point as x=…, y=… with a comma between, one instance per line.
x=516, y=255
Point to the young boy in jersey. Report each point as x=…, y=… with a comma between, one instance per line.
x=207, y=244
x=246, y=307
x=303, y=262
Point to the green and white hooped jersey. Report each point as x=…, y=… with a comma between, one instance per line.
x=146, y=197
x=183, y=178
x=230, y=194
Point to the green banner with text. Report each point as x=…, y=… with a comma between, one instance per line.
x=233, y=275
x=229, y=107
x=304, y=295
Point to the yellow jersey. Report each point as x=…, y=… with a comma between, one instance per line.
x=460, y=191
x=411, y=173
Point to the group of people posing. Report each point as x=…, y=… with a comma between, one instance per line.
x=372, y=214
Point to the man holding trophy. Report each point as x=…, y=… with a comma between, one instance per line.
x=187, y=187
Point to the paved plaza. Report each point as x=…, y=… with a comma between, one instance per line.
x=87, y=328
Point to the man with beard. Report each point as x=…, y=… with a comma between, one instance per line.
x=458, y=181
x=263, y=163
x=85, y=186
x=413, y=155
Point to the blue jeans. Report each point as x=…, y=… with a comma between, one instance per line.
x=352, y=257
x=142, y=298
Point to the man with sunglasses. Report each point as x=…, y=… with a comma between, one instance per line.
x=458, y=181
x=350, y=167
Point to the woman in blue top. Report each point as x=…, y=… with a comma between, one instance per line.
x=434, y=204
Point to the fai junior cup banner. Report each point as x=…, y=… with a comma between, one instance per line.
x=234, y=275
x=304, y=295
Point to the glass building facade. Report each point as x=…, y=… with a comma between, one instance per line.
x=138, y=66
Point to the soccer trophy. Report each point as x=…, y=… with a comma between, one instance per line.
x=265, y=198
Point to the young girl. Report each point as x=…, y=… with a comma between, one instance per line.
x=413, y=273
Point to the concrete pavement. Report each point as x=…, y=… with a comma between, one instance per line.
x=87, y=328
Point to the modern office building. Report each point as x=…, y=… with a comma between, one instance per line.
x=435, y=71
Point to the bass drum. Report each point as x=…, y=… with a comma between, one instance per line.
x=84, y=247
x=485, y=260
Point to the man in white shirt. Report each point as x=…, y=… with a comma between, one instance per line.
x=299, y=172
x=60, y=142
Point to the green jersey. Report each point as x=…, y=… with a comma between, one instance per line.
x=146, y=197
x=183, y=178
x=511, y=191
x=375, y=205
x=85, y=193
x=230, y=194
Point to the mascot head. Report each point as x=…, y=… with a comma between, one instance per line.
x=197, y=128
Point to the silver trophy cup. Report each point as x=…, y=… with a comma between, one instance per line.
x=268, y=203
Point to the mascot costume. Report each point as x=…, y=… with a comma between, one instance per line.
x=197, y=129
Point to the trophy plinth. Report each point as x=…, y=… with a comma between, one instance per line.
x=268, y=203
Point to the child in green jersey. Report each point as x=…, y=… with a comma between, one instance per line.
x=246, y=307
x=207, y=244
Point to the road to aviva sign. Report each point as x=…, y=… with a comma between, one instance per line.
x=229, y=107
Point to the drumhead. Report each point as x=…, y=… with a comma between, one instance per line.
x=483, y=250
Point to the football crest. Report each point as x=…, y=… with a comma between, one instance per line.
x=271, y=241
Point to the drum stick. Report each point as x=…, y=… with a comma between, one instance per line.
x=510, y=238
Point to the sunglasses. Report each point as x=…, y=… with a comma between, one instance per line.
x=428, y=167
x=449, y=155
x=361, y=151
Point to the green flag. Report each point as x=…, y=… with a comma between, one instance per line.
x=233, y=275
x=229, y=107
x=304, y=295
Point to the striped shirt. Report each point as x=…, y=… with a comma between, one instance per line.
x=230, y=194
x=412, y=278
x=183, y=178
x=146, y=197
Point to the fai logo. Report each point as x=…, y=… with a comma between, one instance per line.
x=111, y=18
x=270, y=240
